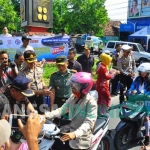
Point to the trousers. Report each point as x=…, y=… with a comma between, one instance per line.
x=126, y=82
x=115, y=83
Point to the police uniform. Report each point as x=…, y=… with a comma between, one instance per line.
x=115, y=56
x=58, y=83
x=35, y=76
x=126, y=66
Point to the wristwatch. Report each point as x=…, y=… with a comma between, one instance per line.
x=34, y=111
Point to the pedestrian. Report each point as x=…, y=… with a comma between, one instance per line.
x=99, y=62
x=92, y=47
x=5, y=33
x=25, y=46
x=61, y=92
x=35, y=75
x=102, y=84
x=72, y=63
x=8, y=69
x=63, y=32
x=127, y=67
x=115, y=56
x=100, y=47
x=86, y=60
x=19, y=60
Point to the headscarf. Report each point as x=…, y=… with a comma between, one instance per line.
x=106, y=59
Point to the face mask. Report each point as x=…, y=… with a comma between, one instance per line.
x=76, y=94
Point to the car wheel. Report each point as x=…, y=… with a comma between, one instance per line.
x=142, y=61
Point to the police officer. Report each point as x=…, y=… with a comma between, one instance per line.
x=61, y=92
x=115, y=56
x=126, y=65
x=35, y=73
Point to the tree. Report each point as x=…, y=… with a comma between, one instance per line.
x=80, y=16
x=8, y=15
x=16, y=4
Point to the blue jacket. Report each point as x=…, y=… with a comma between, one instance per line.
x=135, y=86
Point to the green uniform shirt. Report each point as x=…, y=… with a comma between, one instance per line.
x=58, y=82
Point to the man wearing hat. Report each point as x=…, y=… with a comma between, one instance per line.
x=127, y=67
x=61, y=92
x=17, y=93
x=33, y=126
x=35, y=74
x=25, y=46
x=86, y=60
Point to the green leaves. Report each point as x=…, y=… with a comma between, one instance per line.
x=8, y=15
x=79, y=16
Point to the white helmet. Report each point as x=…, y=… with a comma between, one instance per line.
x=144, y=67
x=106, y=52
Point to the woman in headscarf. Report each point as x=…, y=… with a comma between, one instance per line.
x=102, y=83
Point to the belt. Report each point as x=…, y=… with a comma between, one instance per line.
x=61, y=98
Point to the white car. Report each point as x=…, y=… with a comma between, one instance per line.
x=139, y=53
x=95, y=40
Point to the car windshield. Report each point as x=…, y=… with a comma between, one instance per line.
x=141, y=48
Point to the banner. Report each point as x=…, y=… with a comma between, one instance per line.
x=45, y=47
x=138, y=8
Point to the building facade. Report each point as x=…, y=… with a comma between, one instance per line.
x=138, y=18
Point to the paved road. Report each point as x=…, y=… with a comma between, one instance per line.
x=114, y=120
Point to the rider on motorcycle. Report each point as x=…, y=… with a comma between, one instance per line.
x=140, y=85
x=82, y=110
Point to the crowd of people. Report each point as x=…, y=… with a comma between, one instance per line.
x=22, y=90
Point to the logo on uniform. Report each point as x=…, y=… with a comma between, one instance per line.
x=17, y=41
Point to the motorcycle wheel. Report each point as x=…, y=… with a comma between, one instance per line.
x=104, y=144
x=120, y=141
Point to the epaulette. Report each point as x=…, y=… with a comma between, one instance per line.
x=54, y=72
x=73, y=71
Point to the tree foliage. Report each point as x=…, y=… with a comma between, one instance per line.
x=80, y=16
x=8, y=16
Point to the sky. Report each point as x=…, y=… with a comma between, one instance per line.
x=117, y=9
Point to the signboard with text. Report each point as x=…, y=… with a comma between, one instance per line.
x=45, y=47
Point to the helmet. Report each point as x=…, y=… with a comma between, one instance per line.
x=144, y=67
x=84, y=79
x=106, y=52
x=126, y=47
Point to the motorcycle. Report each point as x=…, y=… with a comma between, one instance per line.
x=51, y=132
x=132, y=114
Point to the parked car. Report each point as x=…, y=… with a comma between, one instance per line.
x=95, y=40
x=138, y=51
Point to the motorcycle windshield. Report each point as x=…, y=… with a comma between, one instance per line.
x=135, y=104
